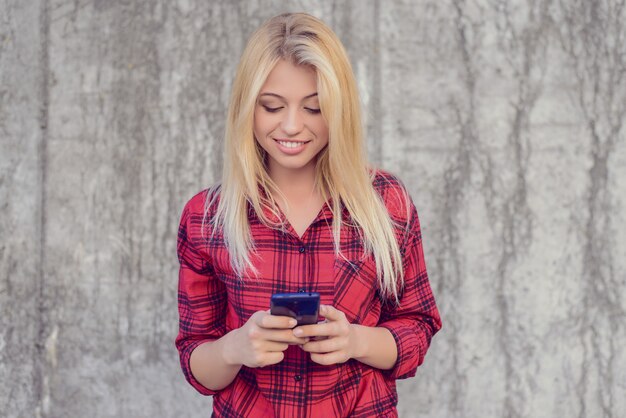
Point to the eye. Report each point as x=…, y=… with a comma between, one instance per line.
x=312, y=110
x=271, y=109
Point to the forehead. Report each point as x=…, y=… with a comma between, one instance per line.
x=291, y=81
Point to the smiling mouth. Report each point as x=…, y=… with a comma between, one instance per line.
x=291, y=144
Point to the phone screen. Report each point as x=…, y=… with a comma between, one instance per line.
x=304, y=307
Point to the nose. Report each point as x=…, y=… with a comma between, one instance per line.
x=292, y=122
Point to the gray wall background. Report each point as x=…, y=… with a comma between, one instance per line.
x=504, y=118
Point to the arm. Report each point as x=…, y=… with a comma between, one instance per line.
x=400, y=341
x=210, y=357
x=209, y=366
x=201, y=296
x=374, y=346
x=260, y=342
x=416, y=319
x=341, y=341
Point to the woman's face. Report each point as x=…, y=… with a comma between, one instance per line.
x=288, y=123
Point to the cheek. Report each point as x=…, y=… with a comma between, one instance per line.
x=259, y=117
x=263, y=125
x=321, y=129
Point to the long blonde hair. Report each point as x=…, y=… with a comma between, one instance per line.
x=341, y=168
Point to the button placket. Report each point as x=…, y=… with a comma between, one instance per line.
x=301, y=250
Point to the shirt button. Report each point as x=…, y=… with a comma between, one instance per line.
x=297, y=378
x=301, y=249
x=302, y=290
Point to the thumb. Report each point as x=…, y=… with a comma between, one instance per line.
x=330, y=312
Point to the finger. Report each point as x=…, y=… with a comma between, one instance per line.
x=318, y=338
x=283, y=336
x=328, y=359
x=273, y=347
x=272, y=358
x=270, y=321
x=324, y=346
x=323, y=329
x=331, y=313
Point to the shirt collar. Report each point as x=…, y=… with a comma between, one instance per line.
x=325, y=213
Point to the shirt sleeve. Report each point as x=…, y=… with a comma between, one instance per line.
x=201, y=296
x=416, y=319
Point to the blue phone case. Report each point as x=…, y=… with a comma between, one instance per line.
x=304, y=307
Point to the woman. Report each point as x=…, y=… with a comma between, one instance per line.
x=299, y=210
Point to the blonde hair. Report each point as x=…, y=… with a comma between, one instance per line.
x=342, y=175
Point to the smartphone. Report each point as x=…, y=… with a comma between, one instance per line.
x=304, y=307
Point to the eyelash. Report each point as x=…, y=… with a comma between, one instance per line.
x=276, y=109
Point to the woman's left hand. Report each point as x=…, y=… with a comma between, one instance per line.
x=332, y=340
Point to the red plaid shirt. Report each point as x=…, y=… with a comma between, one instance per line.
x=213, y=301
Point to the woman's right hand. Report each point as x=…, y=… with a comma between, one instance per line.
x=262, y=340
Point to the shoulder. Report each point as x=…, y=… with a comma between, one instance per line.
x=205, y=201
x=393, y=193
x=384, y=179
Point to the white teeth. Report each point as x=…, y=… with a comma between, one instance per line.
x=290, y=144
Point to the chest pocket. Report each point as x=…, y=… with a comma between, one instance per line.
x=356, y=287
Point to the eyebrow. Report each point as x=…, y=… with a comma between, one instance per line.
x=282, y=98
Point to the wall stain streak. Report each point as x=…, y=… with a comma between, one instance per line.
x=457, y=177
x=375, y=116
x=42, y=370
x=593, y=38
x=525, y=52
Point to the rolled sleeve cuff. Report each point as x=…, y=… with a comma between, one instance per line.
x=409, y=347
x=185, y=357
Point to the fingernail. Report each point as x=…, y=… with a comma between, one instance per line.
x=297, y=332
x=293, y=322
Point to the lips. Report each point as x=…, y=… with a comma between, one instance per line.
x=290, y=142
x=291, y=146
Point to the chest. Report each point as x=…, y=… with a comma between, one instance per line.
x=301, y=214
x=289, y=263
x=302, y=218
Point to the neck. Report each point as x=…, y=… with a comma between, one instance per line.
x=294, y=184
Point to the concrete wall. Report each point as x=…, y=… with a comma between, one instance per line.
x=504, y=118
